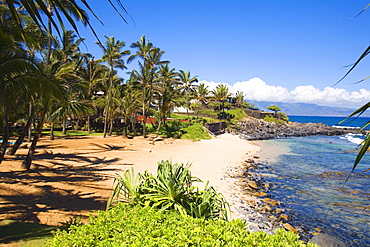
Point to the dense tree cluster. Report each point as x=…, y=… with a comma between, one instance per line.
x=45, y=80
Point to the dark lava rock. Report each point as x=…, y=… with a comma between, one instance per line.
x=258, y=129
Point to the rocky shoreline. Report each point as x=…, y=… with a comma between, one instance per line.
x=258, y=129
x=250, y=201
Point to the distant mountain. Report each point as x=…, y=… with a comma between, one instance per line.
x=303, y=109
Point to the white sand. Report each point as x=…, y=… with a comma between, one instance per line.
x=214, y=160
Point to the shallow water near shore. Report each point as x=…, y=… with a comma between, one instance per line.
x=310, y=182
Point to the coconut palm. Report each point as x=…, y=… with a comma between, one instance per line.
x=201, y=93
x=143, y=77
x=239, y=96
x=129, y=105
x=186, y=80
x=113, y=57
x=143, y=47
x=63, y=11
x=151, y=57
x=91, y=72
x=221, y=93
x=15, y=78
x=165, y=92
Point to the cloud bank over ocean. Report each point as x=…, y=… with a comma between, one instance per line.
x=257, y=89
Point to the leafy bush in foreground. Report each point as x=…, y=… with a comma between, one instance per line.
x=171, y=189
x=126, y=225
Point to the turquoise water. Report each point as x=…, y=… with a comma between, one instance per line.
x=311, y=183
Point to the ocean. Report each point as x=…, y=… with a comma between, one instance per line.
x=311, y=182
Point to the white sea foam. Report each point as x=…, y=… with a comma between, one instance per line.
x=354, y=138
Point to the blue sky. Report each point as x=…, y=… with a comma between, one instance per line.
x=276, y=50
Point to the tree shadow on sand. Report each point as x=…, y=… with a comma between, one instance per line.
x=58, y=187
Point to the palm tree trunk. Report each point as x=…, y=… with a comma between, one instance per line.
x=64, y=130
x=144, y=117
x=52, y=131
x=187, y=106
x=13, y=149
x=88, y=124
x=4, y=144
x=26, y=164
x=110, y=127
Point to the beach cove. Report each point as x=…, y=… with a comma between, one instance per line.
x=74, y=176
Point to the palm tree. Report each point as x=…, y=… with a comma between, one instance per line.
x=221, y=93
x=186, y=80
x=129, y=105
x=92, y=73
x=202, y=94
x=151, y=57
x=63, y=11
x=15, y=79
x=143, y=48
x=239, y=96
x=143, y=78
x=113, y=57
x=165, y=92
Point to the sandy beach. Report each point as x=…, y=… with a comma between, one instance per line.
x=73, y=176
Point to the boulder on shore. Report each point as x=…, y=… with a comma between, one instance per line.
x=258, y=129
x=326, y=240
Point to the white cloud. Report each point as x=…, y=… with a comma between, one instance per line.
x=257, y=89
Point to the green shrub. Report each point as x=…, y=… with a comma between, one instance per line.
x=126, y=225
x=195, y=132
x=239, y=114
x=171, y=189
x=272, y=119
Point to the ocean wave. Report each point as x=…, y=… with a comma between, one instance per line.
x=354, y=138
x=344, y=127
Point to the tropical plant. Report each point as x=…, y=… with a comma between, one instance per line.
x=126, y=225
x=171, y=189
x=201, y=93
x=186, y=80
x=239, y=97
x=221, y=94
x=165, y=92
x=113, y=57
x=151, y=57
x=63, y=11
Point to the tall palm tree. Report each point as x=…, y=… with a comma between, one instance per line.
x=201, y=93
x=91, y=72
x=143, y=78
x=15, y=79
x=61, y=13
x=143, y=47
x=239, y=96
x=165, y=92
x=221, y=93
x=186, y=79
x=129, y=105
x=151, y=57
x=113, y=57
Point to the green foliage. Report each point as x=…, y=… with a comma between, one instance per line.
x=284, y=116
x=272, y=119
x=126, y=225
x=208, y=112
x=195, y=132
x=171, y=189
x=239, y=114
x=274, y=108
x=247, y=105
